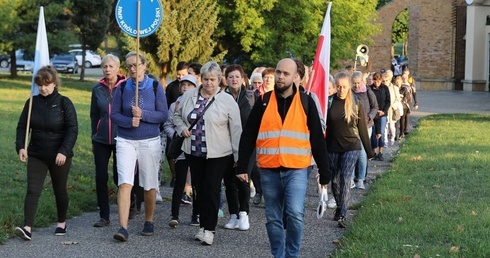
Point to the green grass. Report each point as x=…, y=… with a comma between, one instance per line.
x=434, y=200
x=81, y=180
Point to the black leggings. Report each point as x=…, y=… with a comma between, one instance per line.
x=181, y=168
x=36, y=174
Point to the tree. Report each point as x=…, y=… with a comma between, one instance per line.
x=400, y=29
x=382, y=3
x=257, y=33
x=184, y=35
x=91, y=20
x=19, y=26
x=353, y=23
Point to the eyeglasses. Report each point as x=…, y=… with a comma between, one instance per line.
x=129, y=66
x=257, y=82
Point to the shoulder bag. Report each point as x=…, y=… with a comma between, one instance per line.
x=175, y=146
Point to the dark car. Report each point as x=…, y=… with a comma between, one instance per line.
x=4, y=60
x=65, y=63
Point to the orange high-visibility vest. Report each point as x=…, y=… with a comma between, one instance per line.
x=284, y=144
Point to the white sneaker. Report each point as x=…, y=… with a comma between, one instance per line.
x=200, y=234
x=233, y=222
x=158, y=197
x=331, y=203
x=360, y=184
x=243, y=223
x=252, y=192
x=208, y=237
x=352, y=183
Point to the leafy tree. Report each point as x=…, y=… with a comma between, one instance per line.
x=184, y=35
x=257, y=33
x=91, y=20
x=382, y=3
x=352, y=24
x=19, y=26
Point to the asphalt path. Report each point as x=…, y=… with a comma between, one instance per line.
x=319, y=237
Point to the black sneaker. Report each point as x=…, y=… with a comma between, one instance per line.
x=342, y=222
x=147, y=229
x=195, y=221
x=380, y=157
x=22, y=233
x=121, y=235
x=60, y=231
x=102, y=223
x=257, y=199
x=186, y=199
x=173, y=222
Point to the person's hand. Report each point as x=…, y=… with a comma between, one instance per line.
x=416, y=106
x=23, y=155
x=378, y=136
x=186, y=133
x=381, y=113
x=135, y=122
x=60, y=159
x=243, y=177
x=136, y=111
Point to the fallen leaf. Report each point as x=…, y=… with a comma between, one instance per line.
x=336, y=241
x=70, y=243
x=436, y=186
x=418, y=158
x=416, y=256
x=454, y=249
x=473, y=213
x=460, y=228
x=400, y=219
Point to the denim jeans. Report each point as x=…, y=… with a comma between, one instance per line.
x=375, y=143
x=362, y=162
x=285, y=189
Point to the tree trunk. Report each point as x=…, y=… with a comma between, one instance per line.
x=163, y=76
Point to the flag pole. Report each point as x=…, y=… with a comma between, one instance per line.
x=41, y=58
x=137, y=51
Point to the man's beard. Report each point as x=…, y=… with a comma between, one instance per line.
x=281, y=89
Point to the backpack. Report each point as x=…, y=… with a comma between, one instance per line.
x=407, y=95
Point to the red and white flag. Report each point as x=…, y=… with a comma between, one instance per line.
x=321, y=66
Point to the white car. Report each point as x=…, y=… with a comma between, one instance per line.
x=91, y=58
x=24, y=62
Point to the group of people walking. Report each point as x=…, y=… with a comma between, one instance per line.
x=268, y=133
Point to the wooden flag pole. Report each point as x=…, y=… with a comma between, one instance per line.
x=137, y=51
x=28, y=121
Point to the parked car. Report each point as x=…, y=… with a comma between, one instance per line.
x=65, y=63
x=24, y=60
x=91, y=58
x=4, y=60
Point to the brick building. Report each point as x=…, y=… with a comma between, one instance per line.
x=436, y=44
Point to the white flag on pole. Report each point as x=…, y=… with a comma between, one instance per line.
x=41, y=56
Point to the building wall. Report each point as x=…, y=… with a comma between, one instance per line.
x=431, y=43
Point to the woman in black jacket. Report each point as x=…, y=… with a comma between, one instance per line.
x=54, y=131
x=346, y=134
x=237, y=191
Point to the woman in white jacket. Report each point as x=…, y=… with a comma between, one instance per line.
x=395, y=108
x=211, y=145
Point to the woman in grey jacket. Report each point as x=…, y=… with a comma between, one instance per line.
x=211, y=145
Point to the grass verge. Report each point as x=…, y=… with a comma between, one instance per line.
x=81, y=181
x=434, y=200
